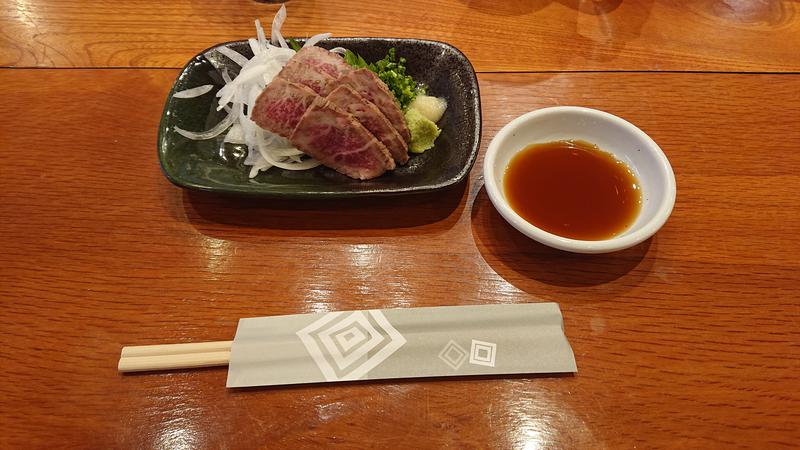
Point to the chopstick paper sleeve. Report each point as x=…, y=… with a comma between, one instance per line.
x=400, y=343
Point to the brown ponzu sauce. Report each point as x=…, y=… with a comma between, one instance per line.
x=573, y=189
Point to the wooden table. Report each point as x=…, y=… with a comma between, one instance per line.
x=690, y=340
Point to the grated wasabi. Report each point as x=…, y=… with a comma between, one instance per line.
x=423, y=131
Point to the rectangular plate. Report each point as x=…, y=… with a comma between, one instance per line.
x=211, y=166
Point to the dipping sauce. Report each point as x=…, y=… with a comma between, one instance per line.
x=573, y=189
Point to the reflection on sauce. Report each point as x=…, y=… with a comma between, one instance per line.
x=573, y=189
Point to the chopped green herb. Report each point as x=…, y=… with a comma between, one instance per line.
x=392, y=71
x=292, y=43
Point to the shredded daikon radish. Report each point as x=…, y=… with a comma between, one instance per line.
x=238, y=97
x=193, y=92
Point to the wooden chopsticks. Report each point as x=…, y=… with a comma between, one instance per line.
x=174, y=356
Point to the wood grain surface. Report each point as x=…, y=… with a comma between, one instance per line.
x=508, y=35
x=689, y=340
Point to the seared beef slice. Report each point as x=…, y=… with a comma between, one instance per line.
x=281, y=105
x=336, y=139
x=303, y=73
x=369, y=86
x=373, y=120
x=323, y=61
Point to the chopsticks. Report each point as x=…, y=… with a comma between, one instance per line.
x=174, y=356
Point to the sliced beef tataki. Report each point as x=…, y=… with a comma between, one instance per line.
x=369, y=86
x=373, y=120
x=336, y=139
x=281, y=106
x=323, y=61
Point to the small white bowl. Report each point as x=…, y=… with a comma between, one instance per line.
x=612, y=134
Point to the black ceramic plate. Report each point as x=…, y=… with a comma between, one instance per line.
x=210, y=166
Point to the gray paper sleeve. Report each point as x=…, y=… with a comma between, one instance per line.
x=400, y=343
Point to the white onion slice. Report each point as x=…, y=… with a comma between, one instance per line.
x=228, y=92
x=277, y=23
x=215, y=131
x=252, y=96
x=258, y=168
x=193, y=92
x=235, y=135
x=313, y=40
x=305, y=165
x=255, y=46
x=285, y=152
x=262, y=38
x=339, y=50
x=254, y=158
x=233, y=55
x=226, y=77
